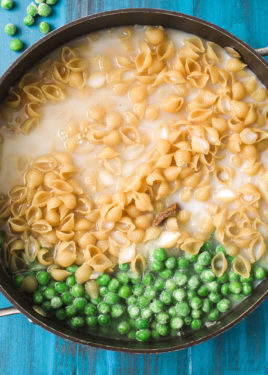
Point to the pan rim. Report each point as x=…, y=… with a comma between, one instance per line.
x=17, y=63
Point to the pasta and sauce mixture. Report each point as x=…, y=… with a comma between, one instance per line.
x=132, y=137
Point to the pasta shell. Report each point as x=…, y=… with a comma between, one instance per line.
x=219, y=264
x=241, y=266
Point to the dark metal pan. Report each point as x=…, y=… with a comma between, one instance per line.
x=63, y=35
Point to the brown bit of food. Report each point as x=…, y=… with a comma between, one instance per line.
x=170, y=211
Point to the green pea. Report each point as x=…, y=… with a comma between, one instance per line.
x=32, y=10
x=46, y=306
x=221, y=249
x=123, y=277
x=43, y=277
x=123, y=328
x=111, y=298
x=124, y=291
x=143, y=301
x=223, y=305
x=72, y=268
x=103, y=280
x=196, y=314
x=214, y=297
x=172, y=311
x=103, y=308
x=260, y=273
x=162, y=317
x=95, y=301
x=67, y=298
x=113, y=285
x=183, y=263
x=143, y=335
x=165, y=274
x=235, y=287
x=191, y=294
x=44, y=10
x=191, y=258
x=150, y=292
x=237, y=297
x=180, y=278
x=213, y=315
x=132, y=335
x=135, y=279
x=182, y=309
x=60, y=314
x=148, y=279
x=195, y=303
x=146, y=313
x=157, y=265
x=91, y=321
x=51, y=2
x=171, y=263
x=160, y=254
x=176, y=323
x=207, y=276
x=233, y=276
x=206, y=246
x=225, y=289
x=223, y=278
x=132, y=322
x=70, y=281
x=166, y=297
x=18, y=280
x=70, y=311
x=60, y=287
x=138, y=290
x=142, y=323
x=159, y=284
x=131, y=300
x=7, y=4
x=198, y=267
x=124, y=266
x=77, y=290
x=28, y=20
x=213, y=286
x=80, y=303
x=204, y=258
x=187, y=320
x=90, y=309
x=203, y=291
x=196, y=324
x=134, y=311
x=246, y=289
x=56, y=302
x=162, y=329
x=179, y=294
x=38, y=297
x=246, y=279
x=49, y=293
x=207, y=305
x=103, y=319
x=103, y=290
x=170, y=285
x=193, y=282
x=10, y=29
x=157, y=306
x=77, y=322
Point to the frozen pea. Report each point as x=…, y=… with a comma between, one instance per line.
x=44, y=27
x=16, y=45
x=44, y=10
x=10, y=29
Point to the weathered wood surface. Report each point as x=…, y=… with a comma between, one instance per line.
x=26, y=349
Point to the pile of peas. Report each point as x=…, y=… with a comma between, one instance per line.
x=178, y=293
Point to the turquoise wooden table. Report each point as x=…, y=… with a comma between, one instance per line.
x=26, y=349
